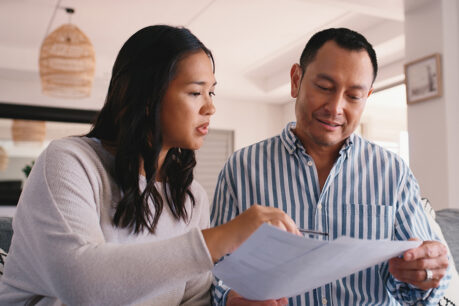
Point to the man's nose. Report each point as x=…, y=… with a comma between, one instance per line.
x=335, y=104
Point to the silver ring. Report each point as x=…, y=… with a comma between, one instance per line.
x=429, y=275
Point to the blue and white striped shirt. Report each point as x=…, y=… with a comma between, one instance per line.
x=370, y=193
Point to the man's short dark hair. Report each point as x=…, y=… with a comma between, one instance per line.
x=344, y=38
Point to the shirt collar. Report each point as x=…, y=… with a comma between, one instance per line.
x=291, y=142
x=288, y=138
x=347, y=145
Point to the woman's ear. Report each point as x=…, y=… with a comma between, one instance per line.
x=296, y=74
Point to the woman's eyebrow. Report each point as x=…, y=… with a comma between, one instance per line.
x=201, y=83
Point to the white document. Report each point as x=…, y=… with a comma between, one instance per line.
x=273, y=264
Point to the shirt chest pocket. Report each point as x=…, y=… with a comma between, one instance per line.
x=366, y=221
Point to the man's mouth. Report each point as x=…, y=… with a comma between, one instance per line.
x=329, y=123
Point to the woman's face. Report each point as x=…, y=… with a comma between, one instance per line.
x=187, y=104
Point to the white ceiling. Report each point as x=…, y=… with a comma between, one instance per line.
x=254, y=42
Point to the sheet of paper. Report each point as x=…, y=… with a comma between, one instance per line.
x=272, y=263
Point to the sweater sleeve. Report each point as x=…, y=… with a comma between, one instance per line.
x=61, y=251
x=197, y=290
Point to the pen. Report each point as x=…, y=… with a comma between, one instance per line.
x=312, y=232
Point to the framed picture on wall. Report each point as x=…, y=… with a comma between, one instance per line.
x=423, y=79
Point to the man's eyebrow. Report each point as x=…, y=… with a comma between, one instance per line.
x=326, y=77
x=330, y=79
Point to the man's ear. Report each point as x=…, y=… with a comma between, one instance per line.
x=295, y=79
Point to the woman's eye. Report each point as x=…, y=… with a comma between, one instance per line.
x=212, y=94
x=195, y=94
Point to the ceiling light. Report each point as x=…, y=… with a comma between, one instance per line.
x=67, y=62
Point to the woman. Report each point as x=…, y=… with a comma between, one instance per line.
x=115, y=217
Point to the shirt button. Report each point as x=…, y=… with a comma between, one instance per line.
x=220, y=283
x=309, y=163
x=324, y=301
x=319, y=207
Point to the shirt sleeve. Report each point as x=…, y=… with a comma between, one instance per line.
x=411, y=222
x=61, y=250
x=224, y=209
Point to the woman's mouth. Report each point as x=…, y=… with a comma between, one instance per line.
x=203, y=129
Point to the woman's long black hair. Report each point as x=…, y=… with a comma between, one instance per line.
x=130, y=121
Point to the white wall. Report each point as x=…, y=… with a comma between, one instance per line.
x=433, y=124
x=289, y=111
x=251, y=122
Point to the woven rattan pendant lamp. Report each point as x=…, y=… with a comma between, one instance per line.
x=67, y=62
x=28, y=131
x=3, y=159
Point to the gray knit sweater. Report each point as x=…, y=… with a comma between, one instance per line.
x=65, y=249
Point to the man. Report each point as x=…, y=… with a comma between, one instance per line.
x=331, y=180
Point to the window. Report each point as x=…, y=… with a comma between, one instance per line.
x=384, y=120
x=218, y=146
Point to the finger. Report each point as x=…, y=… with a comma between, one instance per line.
x=240, y=301
x=289, y=225
x=279, y=224
x=282, y=301
x=420, y=264
x=418, y=276
x=427, y=285
x=426, y=249
x=235, y=299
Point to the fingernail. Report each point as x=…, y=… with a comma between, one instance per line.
x=408, y=256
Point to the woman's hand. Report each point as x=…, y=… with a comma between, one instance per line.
x=236, y=299
x=226, y=238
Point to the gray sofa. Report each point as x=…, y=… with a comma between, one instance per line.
x=448, y=219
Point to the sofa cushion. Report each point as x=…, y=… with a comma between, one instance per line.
x=451, y=297
x=2, y=261
x=6, y=233
x=448, y=219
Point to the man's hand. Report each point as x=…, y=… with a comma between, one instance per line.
x=430, y=255
x=236, y=299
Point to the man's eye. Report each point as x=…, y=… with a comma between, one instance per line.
x=212, y=94
x=354, y=97
x=195, y=94
x=323, y=87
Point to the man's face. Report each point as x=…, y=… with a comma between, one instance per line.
x=331, y=95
